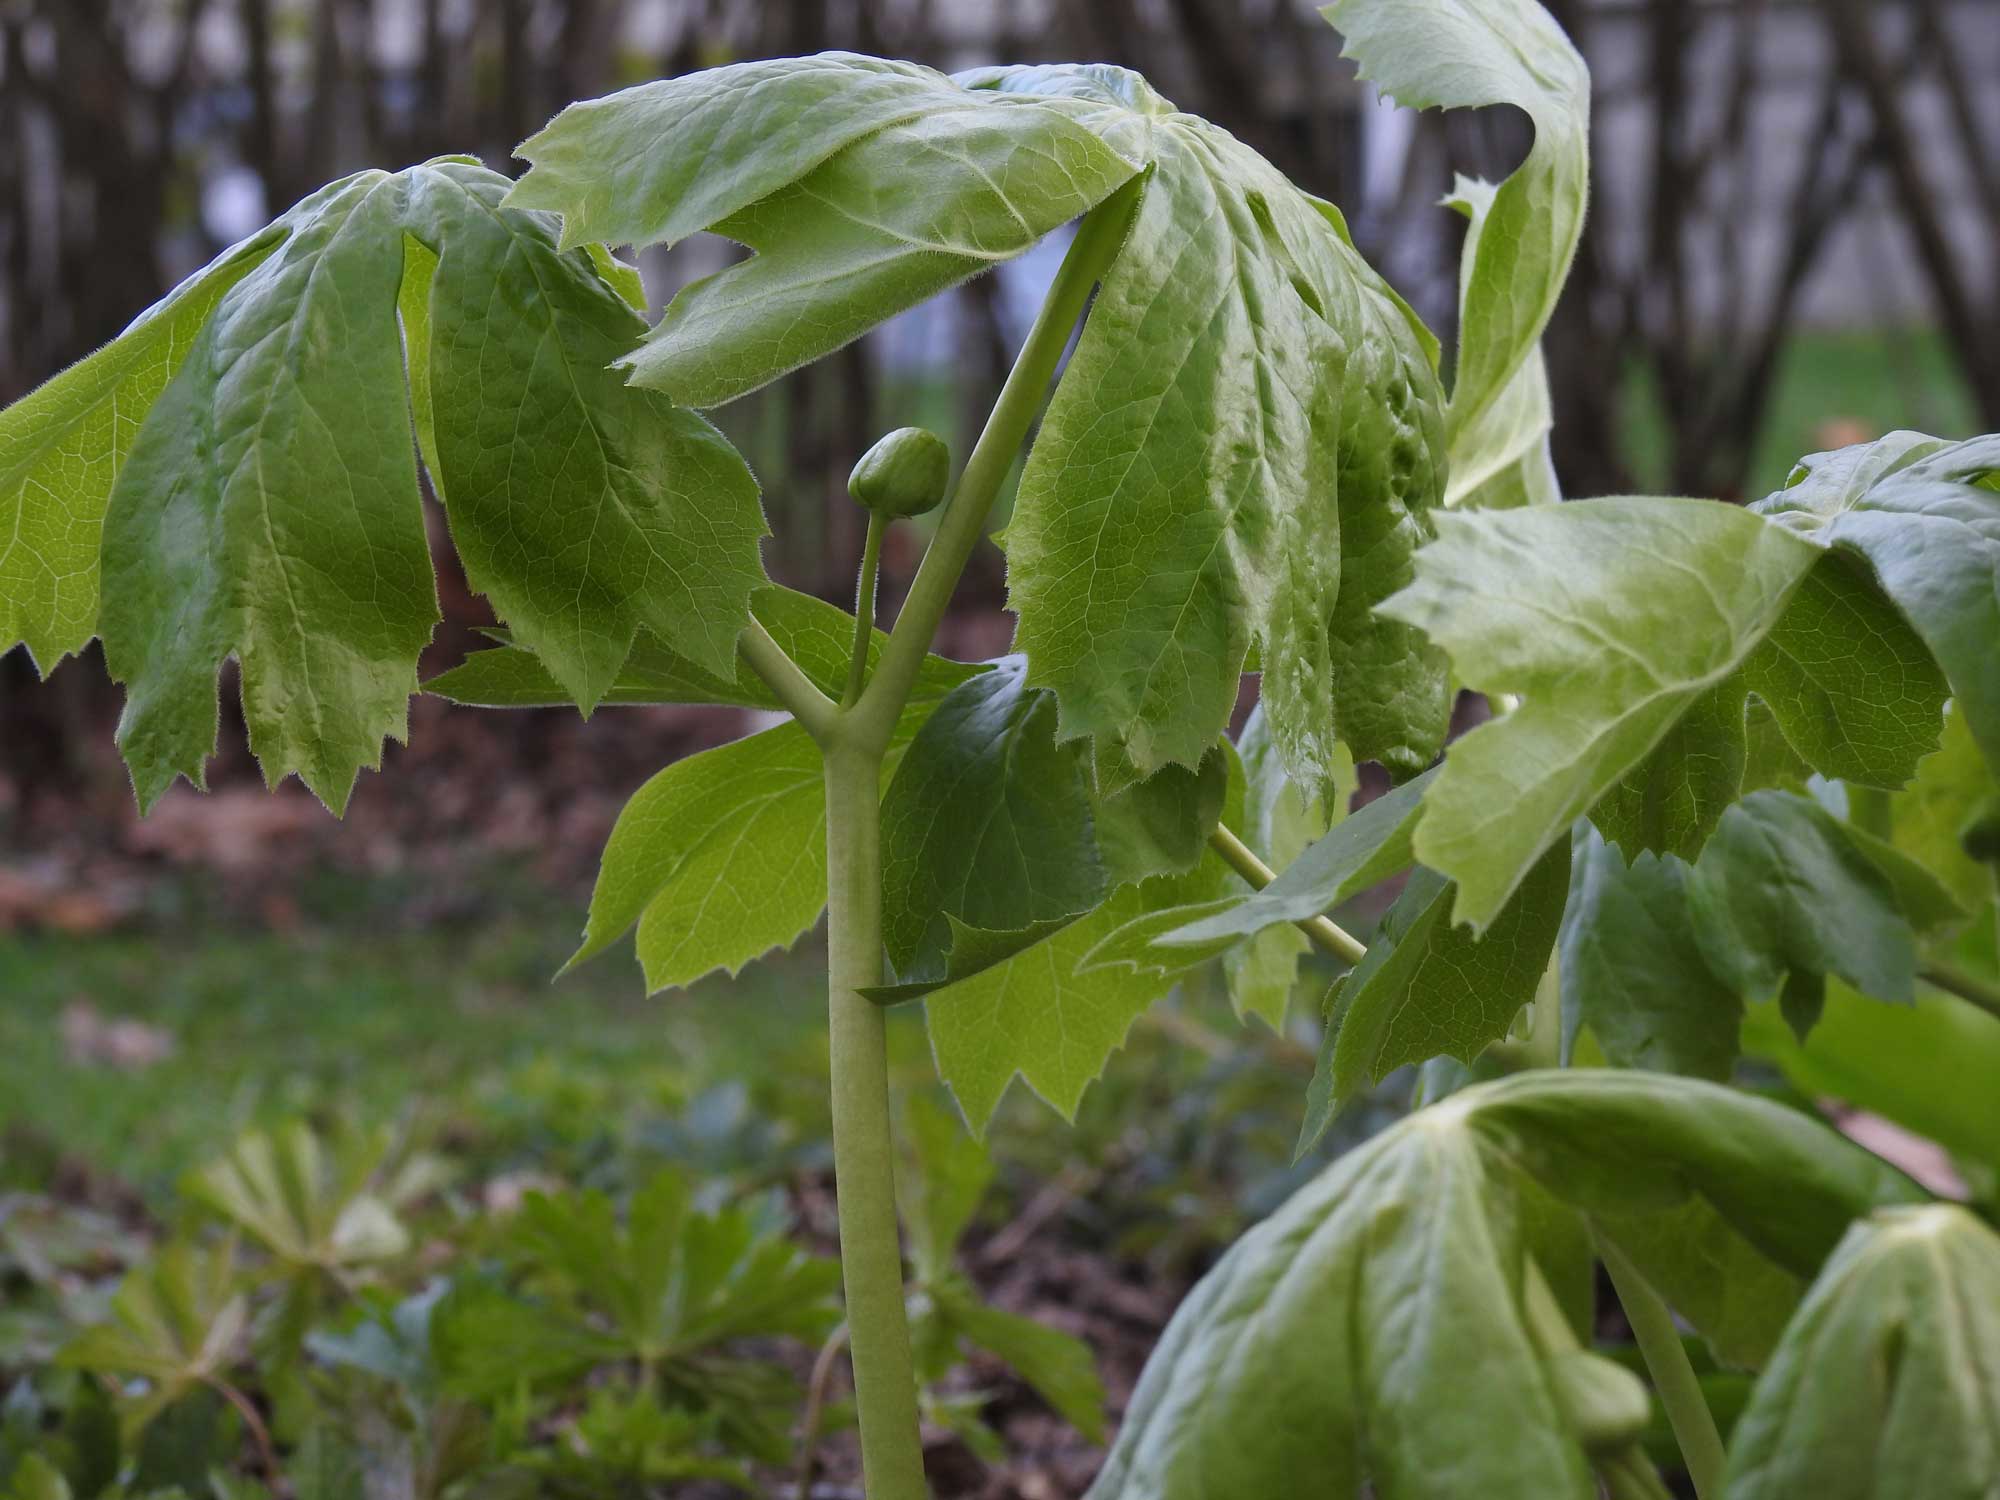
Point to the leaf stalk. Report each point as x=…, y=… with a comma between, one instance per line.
x=1667, y=1361
x=853, y=736
x=1973, y=991
x=871, y=1257
x=819, y=714
x=1098, y=239
x=864, y=606
x=1326, y=934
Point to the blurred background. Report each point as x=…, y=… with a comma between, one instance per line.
x=1794, y=244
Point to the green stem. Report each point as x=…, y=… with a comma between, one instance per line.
x=1673, y=1376
x=871, y=1257
x=790, y=685
x=1868, y=809
x=853, y=739
x=1096, y=245
x=1971, y=990
x=864, y=607
x=1326, y=935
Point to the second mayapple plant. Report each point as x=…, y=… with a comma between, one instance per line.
x=1740, y=759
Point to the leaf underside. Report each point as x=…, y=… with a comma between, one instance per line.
x=1648, y=637
x=1340, y=1329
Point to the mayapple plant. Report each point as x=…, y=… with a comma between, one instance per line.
x=1741, y=762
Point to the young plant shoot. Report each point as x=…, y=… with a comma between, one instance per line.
x=1741, y=764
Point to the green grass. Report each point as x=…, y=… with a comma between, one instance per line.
x=459, y=1032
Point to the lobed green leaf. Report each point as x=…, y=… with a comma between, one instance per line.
x=1925, y=517
x=1633, y=969
x=1849, y=682
x=987, y=824
x=886, y=223
x=61, y=448
x=1783, y=889
x=1241, y=451
x=247, y=449
x=1611, y=619
x=1460, y=54
x=1041, y=1015
x=1428, y=988
x=719, y=858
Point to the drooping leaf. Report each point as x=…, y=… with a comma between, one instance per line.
x=738, y=134
x=60, y=451
x=1782, y=890
x=582, y=507
x=1340, y=1332
x=1670, y=802
x=1500, y=458
x=268, y=510
x=1430, y=988
x=1924, y=516
x=265, y=496
x=1244, y=445
x=817, y=635
x=864, y=186
x=1391, y=692
x=1611, y=619
x=1848, y=681
x=1468, y=54
x=1335, y=1336
x=1633, y=970
x=1884, y=1384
